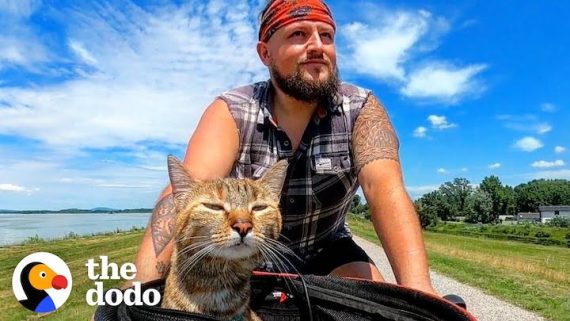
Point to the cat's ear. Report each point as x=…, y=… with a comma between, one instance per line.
x=275, y=176
x=180, y=180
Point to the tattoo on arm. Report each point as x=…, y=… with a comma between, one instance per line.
x=162, y=226
x=373, y=135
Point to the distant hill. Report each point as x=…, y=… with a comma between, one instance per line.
x=103, y=209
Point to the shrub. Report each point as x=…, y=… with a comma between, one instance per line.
x=559, y=222
x=542, y=234
x=567, y=236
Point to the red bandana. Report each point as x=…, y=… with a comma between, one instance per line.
x=283, y=12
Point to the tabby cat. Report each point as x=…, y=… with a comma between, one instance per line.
x=224, y=229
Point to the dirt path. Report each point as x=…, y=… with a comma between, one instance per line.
x=483, y=306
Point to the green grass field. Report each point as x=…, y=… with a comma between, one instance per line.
x=534, y=277
x=119, y=247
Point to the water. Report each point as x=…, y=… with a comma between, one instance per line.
x=15, y=228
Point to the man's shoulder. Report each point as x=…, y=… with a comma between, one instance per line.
x=243, y=94
x=351, y=90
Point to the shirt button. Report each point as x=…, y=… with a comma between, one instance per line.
x=286, y=143
x=291, y=200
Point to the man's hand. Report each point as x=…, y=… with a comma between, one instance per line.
x=375, y=146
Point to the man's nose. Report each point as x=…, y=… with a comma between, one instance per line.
x=315, y=42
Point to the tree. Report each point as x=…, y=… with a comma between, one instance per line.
x=356, y=207
x=529, y=196
x=480, y=207
x=494, y=188
x=356, y=202
x=509, y=205
x=428, y=208
x=456, y=194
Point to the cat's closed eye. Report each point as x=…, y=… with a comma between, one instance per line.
x=214, y=207
x=258, y=208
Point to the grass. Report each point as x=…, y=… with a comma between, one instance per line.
x=120, y=247
x=529, y=233
x=534, y=277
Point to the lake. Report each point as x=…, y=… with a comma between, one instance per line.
x=15, y=228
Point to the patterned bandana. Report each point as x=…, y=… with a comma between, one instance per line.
x=284, y=12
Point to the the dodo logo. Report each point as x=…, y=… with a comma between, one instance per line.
x=42, y=282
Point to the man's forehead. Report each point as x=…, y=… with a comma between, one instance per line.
x=306, y=24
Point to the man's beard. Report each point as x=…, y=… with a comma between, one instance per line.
x=296, y=86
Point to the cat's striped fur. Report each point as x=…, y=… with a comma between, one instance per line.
x=224, y=228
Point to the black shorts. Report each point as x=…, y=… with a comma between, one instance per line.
x=333, y=255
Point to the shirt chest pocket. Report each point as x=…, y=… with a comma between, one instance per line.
x=330, y=163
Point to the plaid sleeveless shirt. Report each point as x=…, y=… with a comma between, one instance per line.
x=321, y=178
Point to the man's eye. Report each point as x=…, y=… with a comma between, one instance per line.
x=214, y=207
x=327, y=34
x=297, y=34
x=258, y=208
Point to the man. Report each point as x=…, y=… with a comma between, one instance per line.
x=335, y=136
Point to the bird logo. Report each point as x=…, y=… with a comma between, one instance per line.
x=42, y=282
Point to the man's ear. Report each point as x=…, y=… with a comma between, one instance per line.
x=263, y=53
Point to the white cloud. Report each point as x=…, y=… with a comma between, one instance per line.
x=548, y=107
x=464, y=169
x=84, y=183
x=442, y=171
x=495, y=166
x=381, y=50
x=543, y=128
x=11, y=188
x=546, y=164
x=559, y=149
x=528, y=144
x=80, y=50
x=19, y=8
x=155, y=73
x=420, y=132
x=525, y=123
x=16, y=188
x=440, y=122
x=443, y=82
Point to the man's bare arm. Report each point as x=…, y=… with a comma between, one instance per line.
x=162, y=223
x=376, y=157
x=373, y=135
x=210, y=154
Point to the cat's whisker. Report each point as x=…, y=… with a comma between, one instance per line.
x=194, y=259
x=188, y=238
x=285, y=238
x=282, y=247
x=192, y=247
x=279, y=264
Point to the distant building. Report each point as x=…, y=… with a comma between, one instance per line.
x=549, y=212
x=528, y=217
x=507, y=219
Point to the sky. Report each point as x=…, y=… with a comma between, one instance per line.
x=95, y=94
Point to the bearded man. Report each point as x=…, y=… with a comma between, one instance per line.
x=336, y=136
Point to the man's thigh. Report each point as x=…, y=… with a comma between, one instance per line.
x=361, y=270
x=343, y=257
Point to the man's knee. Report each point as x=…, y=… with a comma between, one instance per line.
x=361, y=270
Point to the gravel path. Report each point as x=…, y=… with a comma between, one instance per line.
x=483, y=306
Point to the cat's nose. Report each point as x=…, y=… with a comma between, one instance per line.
x=242, y=228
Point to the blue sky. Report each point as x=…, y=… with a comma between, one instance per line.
x=95, y=94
